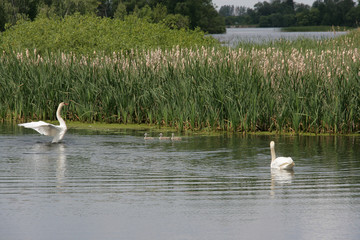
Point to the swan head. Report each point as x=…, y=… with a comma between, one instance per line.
x=272, y=144
x=63, y=104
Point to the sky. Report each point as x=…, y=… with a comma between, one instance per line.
x=251, y=3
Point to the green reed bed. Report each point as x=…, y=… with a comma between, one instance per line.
x=246, y=89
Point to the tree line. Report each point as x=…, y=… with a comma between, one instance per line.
x=174, y=13
x=284, y=13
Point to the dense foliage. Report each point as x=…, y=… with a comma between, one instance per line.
x=310, y=86
x=180, y=13
x=280, y=13
x=85, y=34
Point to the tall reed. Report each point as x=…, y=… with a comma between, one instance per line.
x=245, y=89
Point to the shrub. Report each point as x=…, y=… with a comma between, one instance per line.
x=86, y=34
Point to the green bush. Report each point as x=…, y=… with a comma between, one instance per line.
x=86, y=34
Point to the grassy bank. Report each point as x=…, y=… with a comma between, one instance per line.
x=280, y=88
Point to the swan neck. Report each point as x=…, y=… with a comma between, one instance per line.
x=58, y=116
x=273, y=155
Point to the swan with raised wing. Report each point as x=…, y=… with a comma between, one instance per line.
x=280, y=162
x=47, y=129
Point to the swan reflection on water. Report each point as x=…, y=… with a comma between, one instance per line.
x=280, y=177
x=44, y=154
x=60, y=165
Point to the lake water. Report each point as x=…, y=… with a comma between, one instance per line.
x=116, y=185
x=258, y=35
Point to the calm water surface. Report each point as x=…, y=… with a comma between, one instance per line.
x=98, y=185
x=258, y=35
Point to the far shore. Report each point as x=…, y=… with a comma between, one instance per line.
x=300, y=28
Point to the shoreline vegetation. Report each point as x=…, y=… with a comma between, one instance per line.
x=302, y=28
x=316, y=29
x=154, y=130
x=304, y=86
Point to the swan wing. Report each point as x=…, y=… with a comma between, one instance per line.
x=43, y=128
x=283, y=163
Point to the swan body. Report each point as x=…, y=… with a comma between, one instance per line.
x=47, y=129
x=163, y=138
x=147, y=138
x=173, y=138
x=280, y=162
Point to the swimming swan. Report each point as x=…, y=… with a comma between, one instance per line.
x=280, y=162
x=163, y=138
x=48, y=129
x=147, y=138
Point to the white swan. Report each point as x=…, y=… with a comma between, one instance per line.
x=48, y=129
x=173, y=138
x=280, y=162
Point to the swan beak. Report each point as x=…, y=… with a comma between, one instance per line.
x=66, y=104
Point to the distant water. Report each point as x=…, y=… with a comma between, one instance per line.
x=258, y=35
x=115, y=185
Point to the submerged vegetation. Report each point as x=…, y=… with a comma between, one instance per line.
x=311, y=87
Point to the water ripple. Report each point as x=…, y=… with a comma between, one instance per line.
x=220, y=188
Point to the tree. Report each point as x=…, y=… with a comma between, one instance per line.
x=176, y=21
x=289, y=6
x=3, y=18
x=144, y=12
x=211, y=21
x=227, y=11
x=300, y=7
x=264, y=21
x=288, y=20
x=201, y=13
x=263, y=9
x=240, y=11
x=12, y=11
x=120, y=12
x=64, y=8
x=343, y=7
x=253, y=16
x=352, y=18
x=276, y=20
x=159, y=13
